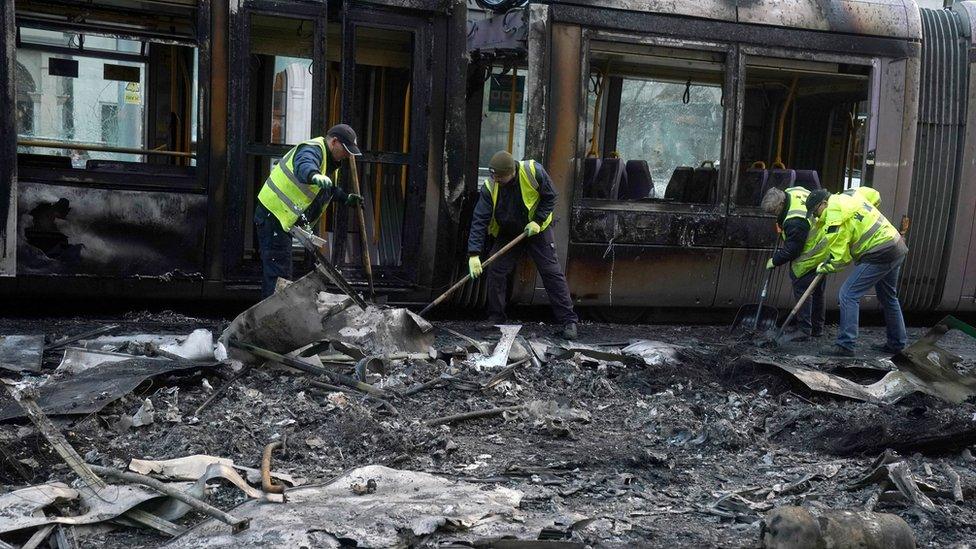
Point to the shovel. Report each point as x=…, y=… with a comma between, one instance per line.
x=799, y=303
x=756, y=316
x=457, y=285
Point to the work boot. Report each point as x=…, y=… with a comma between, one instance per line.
x=885, y=348
x=569, y=331
x=837, y=350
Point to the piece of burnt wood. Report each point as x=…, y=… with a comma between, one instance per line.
x=74, y=461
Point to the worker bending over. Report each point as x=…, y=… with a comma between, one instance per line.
x=518, y=197
x=856, y=231
x=299, y=188
x=804, y=247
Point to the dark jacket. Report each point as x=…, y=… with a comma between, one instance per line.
x=308, y=158
x=796, y=230
x=510, y=213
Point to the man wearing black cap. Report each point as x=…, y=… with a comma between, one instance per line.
x=519, y=198
x=857, y=232
x=298, y=189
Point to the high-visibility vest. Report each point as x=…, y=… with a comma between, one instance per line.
x=284, y=195
x=815, y=248
x=796, y=203
x=867, y=193
x=530, y=195
x=862, y=226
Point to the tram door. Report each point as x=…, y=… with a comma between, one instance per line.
x=383, y=91
x=304, y=69
x=277, y=95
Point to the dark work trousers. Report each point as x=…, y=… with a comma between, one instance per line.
x=810, y=317
x=274, y=244
x=542, y=248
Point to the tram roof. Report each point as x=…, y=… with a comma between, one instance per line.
x=884, y=18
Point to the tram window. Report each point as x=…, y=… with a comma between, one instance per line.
x=655, y=120
x=502, y=115
x=86, y=99
x=803, y=125
x=281, y=65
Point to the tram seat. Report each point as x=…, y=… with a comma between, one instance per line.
x=44, y=160
x=750, y=185
x=680, y=180
x=808, y=179
x=704, y=186
x=639, y=183
x=781, y=179
x=591, y=167
x=609, y=178
x=139, y=168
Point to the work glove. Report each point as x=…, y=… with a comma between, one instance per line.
x=322, y=181
x=826, y=268
x=769, y=264
x=353, y=199
x=474, y=266
x=532, y=229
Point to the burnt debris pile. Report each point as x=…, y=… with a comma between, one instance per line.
x=311, y=421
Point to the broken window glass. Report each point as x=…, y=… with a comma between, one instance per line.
x=655, y=120
x=92, y=100
x=502, y=115
x=82, y=110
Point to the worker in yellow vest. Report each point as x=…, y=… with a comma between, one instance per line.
x=519, y=197
x=296, y=191
x=856, y=231
x=867, y=193
x=804, y=247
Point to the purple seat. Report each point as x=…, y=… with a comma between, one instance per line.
x=751, y=184
x=808, y=179
x=608, y=179
x=639, y=183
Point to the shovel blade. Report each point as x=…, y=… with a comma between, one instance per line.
x=746, y=320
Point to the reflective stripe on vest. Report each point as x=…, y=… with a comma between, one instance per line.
x=283, y=194
x=796, y=204
x=815, y=252
x=869, y=241
x=530, y=196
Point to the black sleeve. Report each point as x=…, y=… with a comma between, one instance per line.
x=322, y=200
x=547, y=195
x=796, y=230
x=479, y=222
x=308, y=158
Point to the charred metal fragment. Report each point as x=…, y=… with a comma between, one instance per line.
x=502, y=34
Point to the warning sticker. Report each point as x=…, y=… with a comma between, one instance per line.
x=133, y=95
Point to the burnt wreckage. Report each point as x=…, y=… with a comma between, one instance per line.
x=137, y=135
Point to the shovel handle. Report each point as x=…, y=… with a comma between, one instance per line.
x=765, y=287
x=457, y=285
x=800, y=302
x=361, y=219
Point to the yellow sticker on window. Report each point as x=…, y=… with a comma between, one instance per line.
x=133, y=96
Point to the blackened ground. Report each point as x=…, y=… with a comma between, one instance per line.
x=663, y=443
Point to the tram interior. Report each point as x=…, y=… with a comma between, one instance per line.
x=655, y=120
x=803, y=125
